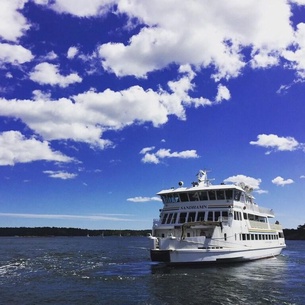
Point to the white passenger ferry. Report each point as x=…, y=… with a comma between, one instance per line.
x=213, y=223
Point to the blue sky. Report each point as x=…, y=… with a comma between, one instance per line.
x=103, y=103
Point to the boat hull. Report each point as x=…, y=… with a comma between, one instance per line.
x=201, y=256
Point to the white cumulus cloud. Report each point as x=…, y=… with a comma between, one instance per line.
x=143, y=199
x=216, y=34
x=46, y=73
x=16, y=148
x=80, y=8
x=60, y=174
x=13, y=24
x=277, y=143
x=150, y=157
x=72, y=52
x=249, y=181
x=14, y=54
x=223, y=93
x=281, y=181
x=86, y=116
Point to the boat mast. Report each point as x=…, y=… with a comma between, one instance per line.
x=202, y=177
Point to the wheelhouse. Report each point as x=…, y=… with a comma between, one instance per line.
x=227, y=194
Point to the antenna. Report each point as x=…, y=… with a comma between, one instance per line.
x=202, y=177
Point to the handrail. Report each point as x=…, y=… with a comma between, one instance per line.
x=258, y=224
x=198, y=223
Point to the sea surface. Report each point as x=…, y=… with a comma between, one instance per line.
x=117, y=270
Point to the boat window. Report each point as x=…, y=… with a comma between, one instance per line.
x=248, y=199
x=203, y=195
x=174, y=218
x=163, y=198
x=229, y=194
x=237, y=194
x=172, y=198
x=217, y=215
x=224, y=213
x=220, y=194
x=237, y=215
x=191, y=217
x=193, y=196
x=245, y=216
x=164, y=218
x=242, y=197
x=176, y=197
x=200, y=216
x=212, y=195
x=251, y=217
x=184, y=197
x=169, y=218
x=182, y=217
x=210, y=216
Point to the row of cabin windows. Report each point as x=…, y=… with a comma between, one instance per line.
x=249, y=236
x=259, y=236
x=238, y=216
x=201, y=196
x=172, y=218
x=255, y=217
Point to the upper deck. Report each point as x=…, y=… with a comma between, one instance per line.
x=211, y=195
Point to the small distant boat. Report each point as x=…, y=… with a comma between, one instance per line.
x=208, y=223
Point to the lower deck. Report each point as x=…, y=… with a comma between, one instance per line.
x=221, y=255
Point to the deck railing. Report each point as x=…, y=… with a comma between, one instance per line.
x=256, y=208
x=275, y=226
x=258, y=225
x=156, y=222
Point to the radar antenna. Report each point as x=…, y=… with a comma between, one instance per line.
x=202, y=177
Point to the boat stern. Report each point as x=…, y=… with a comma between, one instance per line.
x=157, y=255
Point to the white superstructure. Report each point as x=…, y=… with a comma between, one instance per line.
x=213, y=223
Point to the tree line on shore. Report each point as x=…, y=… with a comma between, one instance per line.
x=292, y=234
x=55, y=231
x=295, y=234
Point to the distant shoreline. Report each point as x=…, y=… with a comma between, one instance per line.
x=290, y=234
x=57, y=231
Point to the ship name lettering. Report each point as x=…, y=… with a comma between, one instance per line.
x=191, y=207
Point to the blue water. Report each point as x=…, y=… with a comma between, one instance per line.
x=117, y=270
